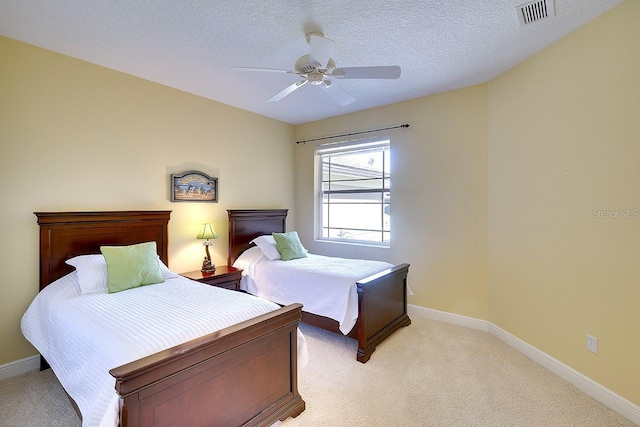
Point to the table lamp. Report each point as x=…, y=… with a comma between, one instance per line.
x=207, y=232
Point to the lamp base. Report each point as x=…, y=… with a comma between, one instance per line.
x=207, y=273
x=207, y=267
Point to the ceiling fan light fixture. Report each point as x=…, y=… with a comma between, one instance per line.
x=315, y=78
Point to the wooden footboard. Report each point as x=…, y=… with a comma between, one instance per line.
x=382, y=308
x=244, y=375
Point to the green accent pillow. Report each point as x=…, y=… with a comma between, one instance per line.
x=289, y=245
x=131, y=266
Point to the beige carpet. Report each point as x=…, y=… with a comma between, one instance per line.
x=437, y=374
x=35, y=399
x=428, y=374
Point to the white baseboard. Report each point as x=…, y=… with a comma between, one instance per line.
x=443, y=316
x=585, y=384
x=18, y=367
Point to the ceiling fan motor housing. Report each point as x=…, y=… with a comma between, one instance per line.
x=305, y=66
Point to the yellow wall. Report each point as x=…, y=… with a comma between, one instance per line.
x=564, y=149
x=75, y=136
x=439, y=182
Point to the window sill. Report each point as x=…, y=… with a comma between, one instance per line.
x=355, y=243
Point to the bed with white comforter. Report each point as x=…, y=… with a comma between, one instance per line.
x=326, y=286
x=82, y=337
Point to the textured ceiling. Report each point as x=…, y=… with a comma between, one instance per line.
x=191, y=45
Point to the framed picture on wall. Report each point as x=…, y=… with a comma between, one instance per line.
x=194, y=186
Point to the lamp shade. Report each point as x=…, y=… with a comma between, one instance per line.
x=207, y=232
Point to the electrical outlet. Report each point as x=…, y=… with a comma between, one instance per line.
x=592, y=344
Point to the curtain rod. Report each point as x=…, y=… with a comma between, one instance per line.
x=304, y=141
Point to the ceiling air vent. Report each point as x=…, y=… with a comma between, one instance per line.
x=535, y=11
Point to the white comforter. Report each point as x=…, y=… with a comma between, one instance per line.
x=84, y=336
x=326, y=286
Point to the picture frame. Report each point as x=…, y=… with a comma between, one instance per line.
x=194, y=186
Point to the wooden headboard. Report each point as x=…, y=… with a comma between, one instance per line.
x=64, y=235
x=246, y=225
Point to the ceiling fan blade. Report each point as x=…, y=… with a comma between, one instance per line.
x=338, y=93
x=382, y=72
x=287, y=90
x=269, y=70
x=320, y=50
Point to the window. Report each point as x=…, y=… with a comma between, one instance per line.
x=355, y=192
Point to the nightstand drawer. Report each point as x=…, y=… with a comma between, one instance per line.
x=223, y=277
x=223, y=282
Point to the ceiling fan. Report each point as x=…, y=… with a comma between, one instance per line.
x=318, y=69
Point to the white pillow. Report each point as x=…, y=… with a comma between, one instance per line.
x=92, y=272
x=249, y=258
x=267, y=245
x=166, y=273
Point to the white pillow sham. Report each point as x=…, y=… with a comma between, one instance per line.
x=248, y=259
x=268, y=246
x=92, y=272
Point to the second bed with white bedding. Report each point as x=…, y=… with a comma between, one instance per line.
x=326, y=286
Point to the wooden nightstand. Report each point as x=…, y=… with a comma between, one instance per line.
x=224, y=277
